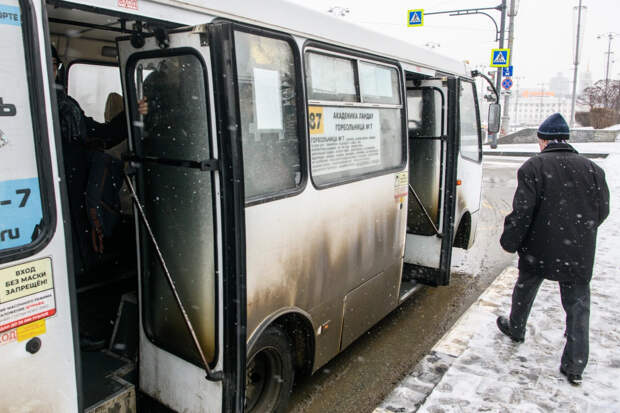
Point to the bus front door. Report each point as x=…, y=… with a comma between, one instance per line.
x=189, y=181
x=432, y=107
x=39, y=359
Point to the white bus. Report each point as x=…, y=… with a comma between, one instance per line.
x=297, y=178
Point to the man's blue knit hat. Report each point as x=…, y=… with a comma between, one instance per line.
x=554, y=127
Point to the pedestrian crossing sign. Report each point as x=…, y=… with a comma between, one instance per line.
x=415, y=18
x=500, y=58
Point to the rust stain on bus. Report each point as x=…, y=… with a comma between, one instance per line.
x=312, y=261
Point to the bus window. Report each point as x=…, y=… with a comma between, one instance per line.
x=268, y=106
x=331, y=78
x=21, y=211
x=353, y=141
x=471, y=144
x=91, y=84
x=379, y=84
x=178, y=202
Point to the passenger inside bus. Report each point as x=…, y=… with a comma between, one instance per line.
x=93, y=177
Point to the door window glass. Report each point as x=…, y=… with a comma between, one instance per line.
x=268, y=105
x=471, y=147
x=178, y=202
x=424, y=112
x=21, y=212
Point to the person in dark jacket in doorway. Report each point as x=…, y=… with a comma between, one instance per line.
x=83, y=142
x=560, y=201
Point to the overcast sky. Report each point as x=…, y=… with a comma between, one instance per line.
x=544, y=32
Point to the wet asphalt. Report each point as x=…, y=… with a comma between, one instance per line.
x=359, y=378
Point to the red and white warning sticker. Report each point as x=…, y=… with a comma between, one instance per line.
x=26, y=294
x=401, y=182
x=128, y=4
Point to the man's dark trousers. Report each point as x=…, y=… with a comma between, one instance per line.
x=576, y=303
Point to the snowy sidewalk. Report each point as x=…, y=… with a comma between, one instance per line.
x=476, y=368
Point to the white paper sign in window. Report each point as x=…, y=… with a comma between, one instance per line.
x=268, y=101
x=343, y=139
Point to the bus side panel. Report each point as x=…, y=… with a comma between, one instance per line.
x=311, y=250
x=380, y=294
x=35, y=296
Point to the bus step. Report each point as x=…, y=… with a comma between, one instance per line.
x=106, y=383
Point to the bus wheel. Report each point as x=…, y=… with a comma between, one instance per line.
x=269, y=373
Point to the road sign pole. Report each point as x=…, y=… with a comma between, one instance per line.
x=511, y=19
x=498, y=79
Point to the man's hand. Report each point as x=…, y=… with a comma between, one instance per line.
x=143, y=106
x=96, y=231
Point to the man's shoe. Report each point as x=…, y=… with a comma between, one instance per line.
x=504, y=326
x=574, y=379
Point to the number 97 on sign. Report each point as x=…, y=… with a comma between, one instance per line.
x=315, y=120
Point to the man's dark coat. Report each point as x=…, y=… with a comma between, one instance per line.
x=560, y=201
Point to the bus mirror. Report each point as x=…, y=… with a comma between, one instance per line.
x=494, y=117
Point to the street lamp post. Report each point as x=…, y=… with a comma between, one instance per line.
x=577, y=49
x=499, y=36
x=542, y=94
x=610, y=36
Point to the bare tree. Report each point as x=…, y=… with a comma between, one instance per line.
x=600, y=96
x=603, y=100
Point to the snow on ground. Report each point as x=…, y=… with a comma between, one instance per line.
x=476, y=368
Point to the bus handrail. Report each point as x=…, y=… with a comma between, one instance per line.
x=424, y=210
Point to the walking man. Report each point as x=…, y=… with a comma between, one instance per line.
x=560, y=201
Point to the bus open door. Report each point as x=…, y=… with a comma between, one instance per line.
x=432, y=105
x=187, y=157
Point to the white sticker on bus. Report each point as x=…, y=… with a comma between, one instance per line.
x=343, y=139
x=26, y=294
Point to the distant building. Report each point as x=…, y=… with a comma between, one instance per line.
x=560, y=85
x=531, y=107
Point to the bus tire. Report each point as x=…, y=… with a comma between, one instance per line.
x=269, y=373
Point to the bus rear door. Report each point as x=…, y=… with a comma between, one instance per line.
x=189, y=179
x=432, y=105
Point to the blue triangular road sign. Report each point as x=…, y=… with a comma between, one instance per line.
x=500, y=58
